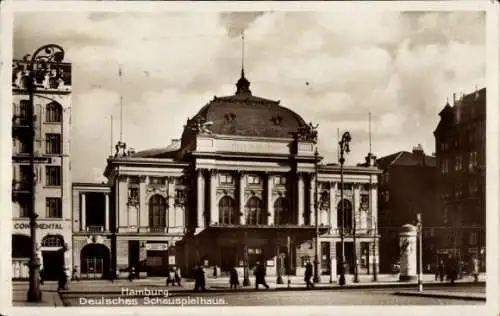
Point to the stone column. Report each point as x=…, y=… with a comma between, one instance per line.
x=201, y=199
x=356, y=205
x=241, y=198
x=269, y=195
x=333, y=205
x=143, y=205
x=171, y=203
x=312, y=188
x=122, y=201
x=84, y=212
x=214, y=210
x=301, y=191
x=373, y=205
x=106, y=212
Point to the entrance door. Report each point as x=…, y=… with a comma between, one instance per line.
x=53, y=264
x=94, y=267
x=325, y=257
x=157, y=263
x=348, y=256
x=95, y=261
x=228, y=258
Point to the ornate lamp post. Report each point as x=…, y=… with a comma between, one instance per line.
x=316, y=278
x=44, y=61
x=344, y=148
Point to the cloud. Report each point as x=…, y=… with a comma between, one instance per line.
x=330, y=67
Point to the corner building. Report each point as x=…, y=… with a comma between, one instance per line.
x=52, y=118
x=237, y=189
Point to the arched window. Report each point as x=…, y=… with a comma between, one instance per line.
x=344, y=217
x=255, y=213
x=282, y=212
x=227, y=211
x=53, y=114
x=52, y=241
x=157, y=212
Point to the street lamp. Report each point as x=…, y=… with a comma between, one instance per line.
x=344, y=148
x=355, y=255
x=316, y=278
x=43, y=62
x=419, y=230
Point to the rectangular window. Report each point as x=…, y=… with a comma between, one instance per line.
x=23, y=109
x=472, y=161
x=156, y=180
x=24, y=210
x=134, y=180
x=458, y=163
x=387, y=197
x=444, y=166
x=54, y=208
x=225, y=179
x=253, y=179
x=473, y=239
x=280, y=180
x=53, y=175
x=24, y=173
x=473, y=187
x=365, y=201
x=53, y=143
x=53, y=113
x=444, y=147
x=347, y=186
x=445, y=215
x=23, y=146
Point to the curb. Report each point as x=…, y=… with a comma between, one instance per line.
x=289, y=289
x=442, y=295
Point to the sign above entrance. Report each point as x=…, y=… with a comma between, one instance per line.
x=157, y=247
x=39, y=226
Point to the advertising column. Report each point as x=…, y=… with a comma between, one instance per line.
x=408, y=252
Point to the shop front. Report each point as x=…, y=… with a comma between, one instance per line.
x=53, y=245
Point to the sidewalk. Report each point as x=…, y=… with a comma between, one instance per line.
x=445, y=294
x=222, y=284
x=50, y=296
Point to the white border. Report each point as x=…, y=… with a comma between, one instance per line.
x=493, y=171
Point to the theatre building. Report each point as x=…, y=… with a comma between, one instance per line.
x=52, y=203
x=238, y=188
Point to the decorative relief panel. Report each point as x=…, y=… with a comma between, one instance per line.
x=223, y=192
x=153, y=189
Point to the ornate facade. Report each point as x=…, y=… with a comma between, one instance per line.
x=239, y=188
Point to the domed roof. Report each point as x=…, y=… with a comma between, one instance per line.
x=243, y=114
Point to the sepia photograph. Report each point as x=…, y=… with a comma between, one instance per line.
x=265, y=157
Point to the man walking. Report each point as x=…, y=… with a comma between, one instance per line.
x=308, y=274
x=260, y=276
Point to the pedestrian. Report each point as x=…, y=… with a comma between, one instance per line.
x=308, y=274
x=171, y=277
x=441, y=270
x=199, y=279
x=74, y=275
x=131, y=274
x=451, y=269
x=233, y=278
x=61, y=280
x=111, y=275
x=475, y=269
x=215, y=272
x=177, y=276
x=260, y=276
x=42, y=272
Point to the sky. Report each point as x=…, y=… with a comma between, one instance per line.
x=331, y=68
